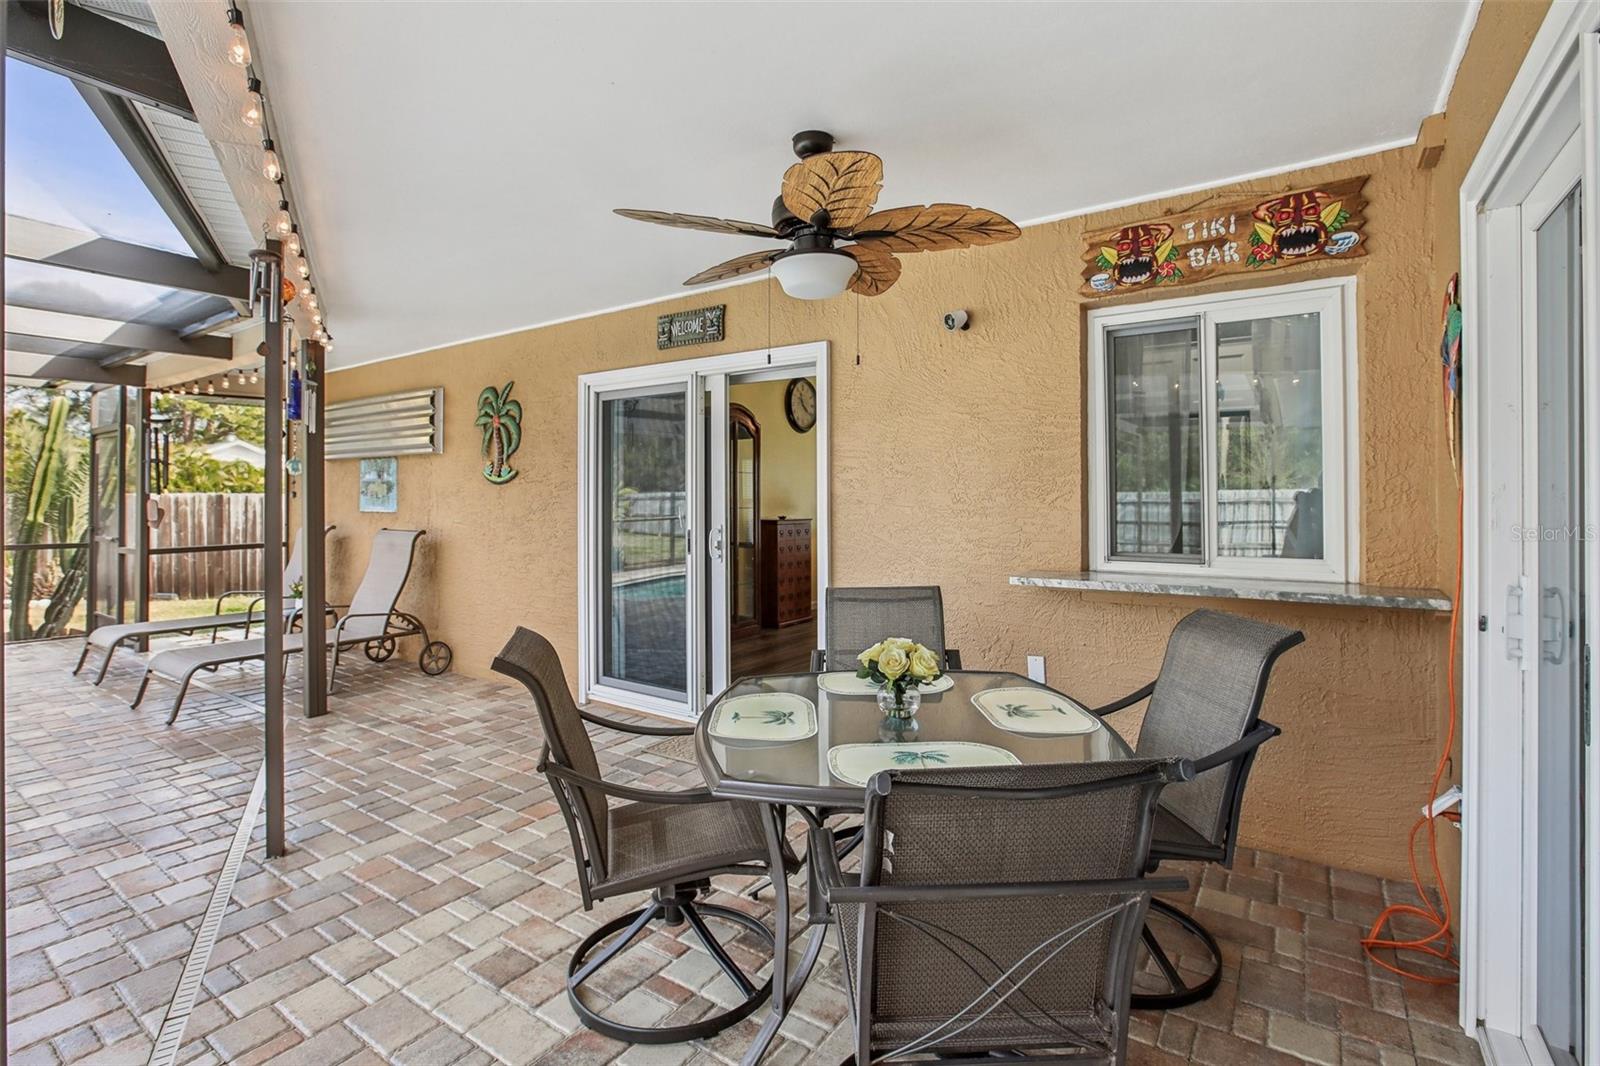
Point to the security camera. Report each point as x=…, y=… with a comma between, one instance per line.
x=954, y=320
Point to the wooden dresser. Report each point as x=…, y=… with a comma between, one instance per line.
x=785, y=565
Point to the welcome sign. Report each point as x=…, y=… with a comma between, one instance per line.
x=1233, y=237
x=700, y=326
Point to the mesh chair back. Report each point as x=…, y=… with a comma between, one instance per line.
x=860, y=617
x=388, y=567
x=531, y=659
x=930, y=962
x=295, y=569
x=1207, y=697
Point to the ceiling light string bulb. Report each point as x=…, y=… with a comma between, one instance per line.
x=271, y=167
x=238, y=43
x=255, y=106
x=292, y=241
x=282, y=222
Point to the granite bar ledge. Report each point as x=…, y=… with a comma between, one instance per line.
x=1211, y=586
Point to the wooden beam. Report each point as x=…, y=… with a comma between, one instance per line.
x=1430, y=142
x=32, y=322
x=272, y=567
x=66, y=368
x=62, y=246
x=313, y=541
x=98, y=51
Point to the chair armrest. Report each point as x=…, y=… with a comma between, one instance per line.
x=952, y=659
x=881, y=894
x=1263, y=732
x=823, y=859
x=819, y=660
x=1137, y=696
x=640, y=730
x=338, y=625
x=637, y=795
x=257, y=593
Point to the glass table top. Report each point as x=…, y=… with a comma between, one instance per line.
x=799, y=761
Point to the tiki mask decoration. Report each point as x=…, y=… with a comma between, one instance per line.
x=1297, y=225
x=1141, y=253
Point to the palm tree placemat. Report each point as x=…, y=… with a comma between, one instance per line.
x=856, y=763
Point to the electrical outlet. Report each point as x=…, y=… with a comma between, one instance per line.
x=1036, y=668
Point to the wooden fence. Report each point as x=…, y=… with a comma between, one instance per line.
x=191, y=519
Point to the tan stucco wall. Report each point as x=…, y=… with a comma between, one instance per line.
x=992, y=428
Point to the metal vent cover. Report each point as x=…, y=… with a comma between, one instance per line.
x=401, y=423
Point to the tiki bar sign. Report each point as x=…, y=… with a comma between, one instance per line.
x=1232, y=238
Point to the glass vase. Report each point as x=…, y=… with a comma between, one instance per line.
x=899, y=702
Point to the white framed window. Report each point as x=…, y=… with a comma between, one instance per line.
x=1222, y=434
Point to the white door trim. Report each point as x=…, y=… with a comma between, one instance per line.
x=1554, y=93
x=812, y=357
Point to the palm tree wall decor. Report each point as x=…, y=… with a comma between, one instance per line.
x=501, y=419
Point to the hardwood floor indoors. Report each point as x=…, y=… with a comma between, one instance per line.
x=774, y=651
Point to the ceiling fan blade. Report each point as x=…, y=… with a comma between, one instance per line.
x=876, y=269
x=933, y=228
x=744, y=264
x=699, y=222
x=844, y=184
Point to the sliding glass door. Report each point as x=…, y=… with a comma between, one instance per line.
x=657, y=532
x=644, y=531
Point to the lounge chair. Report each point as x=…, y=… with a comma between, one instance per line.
x=372, y=622
x=111, y=637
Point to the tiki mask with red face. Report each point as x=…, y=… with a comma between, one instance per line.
x=1136, y=252
x=1296, y=221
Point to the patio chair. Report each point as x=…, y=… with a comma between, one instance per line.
x=667, y=843
x=860, y=617
x=997, y=910
x=110, y=638
x=372, y=622
x=1206, y=707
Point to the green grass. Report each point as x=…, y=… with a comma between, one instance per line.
x=159, y=609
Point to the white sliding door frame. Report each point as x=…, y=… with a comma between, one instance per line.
x=700, y=376
x=1555, y=95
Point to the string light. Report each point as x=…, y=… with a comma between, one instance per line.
x=226, y=382
x=254, y=377
x=238, y=43
x=255, y=108
x=211, y=390
x=281, y=222
x=271, y=168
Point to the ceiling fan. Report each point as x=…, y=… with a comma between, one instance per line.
x=827, y=198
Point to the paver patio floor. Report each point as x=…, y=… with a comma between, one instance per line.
x=429, y=902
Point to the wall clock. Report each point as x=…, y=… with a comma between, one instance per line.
x=800, y=404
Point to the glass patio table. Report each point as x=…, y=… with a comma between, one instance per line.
x=820, y=765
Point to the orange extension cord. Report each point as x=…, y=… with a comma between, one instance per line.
x=1439, y=943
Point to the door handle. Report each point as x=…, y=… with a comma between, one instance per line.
x=1553, y=642
x=716, y=544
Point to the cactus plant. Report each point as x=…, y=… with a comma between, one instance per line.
x=44, y=501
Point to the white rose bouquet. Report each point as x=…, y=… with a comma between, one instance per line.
x=898, y=664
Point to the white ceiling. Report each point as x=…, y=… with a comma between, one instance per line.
x=456, y=163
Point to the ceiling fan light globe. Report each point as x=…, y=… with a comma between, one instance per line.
x=815, y=275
